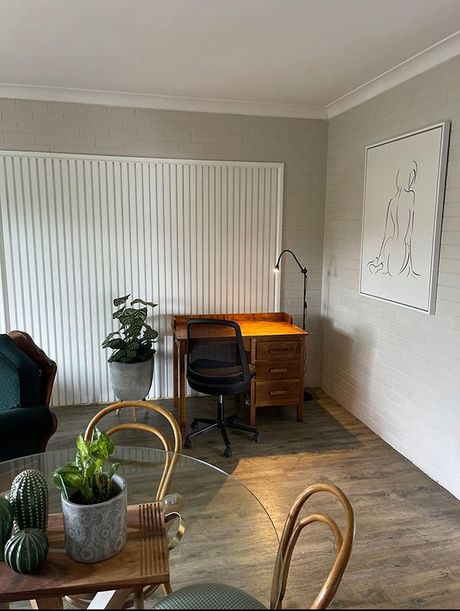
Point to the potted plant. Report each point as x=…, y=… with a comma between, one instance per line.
x=131, y=362
x=94, y=501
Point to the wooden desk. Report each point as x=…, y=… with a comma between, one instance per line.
x=274, y=345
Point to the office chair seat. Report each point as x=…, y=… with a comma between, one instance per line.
x=217, y=365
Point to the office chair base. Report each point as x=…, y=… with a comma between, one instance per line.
x=222, y=424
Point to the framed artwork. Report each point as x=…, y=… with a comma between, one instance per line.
x=402, y=212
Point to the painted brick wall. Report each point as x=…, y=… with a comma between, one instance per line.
x=300, y=144
x=397, y=370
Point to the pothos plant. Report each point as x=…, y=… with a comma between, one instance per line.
x=89, y=476
x=133, y=341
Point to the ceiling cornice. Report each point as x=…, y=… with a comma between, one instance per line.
x=431, y=57
x=140, y=100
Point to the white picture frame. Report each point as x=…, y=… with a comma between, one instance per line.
x=404, y=185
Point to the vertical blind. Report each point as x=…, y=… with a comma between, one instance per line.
x=78, y=230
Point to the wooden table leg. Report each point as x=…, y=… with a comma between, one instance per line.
x=52, y=602
x=175, y=373
x=182, y=385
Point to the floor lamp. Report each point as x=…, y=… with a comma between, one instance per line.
x=306, y=395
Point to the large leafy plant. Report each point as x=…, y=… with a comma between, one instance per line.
x=133, y=342
x=89, y=476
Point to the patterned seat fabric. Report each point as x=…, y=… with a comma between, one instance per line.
x=209, y=596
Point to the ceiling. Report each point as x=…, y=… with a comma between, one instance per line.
x=282, y=57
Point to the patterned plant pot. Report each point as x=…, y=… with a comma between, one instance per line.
x=96, y=532
x=131, y=381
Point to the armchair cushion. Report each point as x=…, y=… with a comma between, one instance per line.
x=25, y=431
x=28, y=371
x=10, y=393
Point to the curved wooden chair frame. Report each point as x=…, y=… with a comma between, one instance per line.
x=292, y=529
x=173, y=450
x=176, y=447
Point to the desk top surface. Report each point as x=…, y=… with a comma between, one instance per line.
x=251, y=325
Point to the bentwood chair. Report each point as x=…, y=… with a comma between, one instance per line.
x=221, y=596
x=217, y=365
x=172, y=448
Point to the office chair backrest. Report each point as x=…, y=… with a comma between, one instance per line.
x=175, y=447
x=215, y=352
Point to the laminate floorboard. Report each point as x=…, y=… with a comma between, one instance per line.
x=406, y=552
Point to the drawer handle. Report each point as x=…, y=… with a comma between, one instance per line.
x=278, y=349
x=274, y=393
x=278, y=370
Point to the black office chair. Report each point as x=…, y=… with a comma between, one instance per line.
x=217, y=365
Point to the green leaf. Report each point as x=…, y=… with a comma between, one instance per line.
x=109, y=337
x=115, y=344
x=147, y=303
x=69, y=475
x=149, y=333
x=118, y=313
x=118, y=301
x=82, y=447
x=101, y=444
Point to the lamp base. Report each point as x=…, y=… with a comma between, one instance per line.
x=307, y=396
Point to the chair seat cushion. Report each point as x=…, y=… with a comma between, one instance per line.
x=215, y=369
x=209, y=596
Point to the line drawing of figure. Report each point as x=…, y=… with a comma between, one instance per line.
x=395, y=254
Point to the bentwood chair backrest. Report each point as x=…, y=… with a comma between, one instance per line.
x=292, y=529
x=174, y=446
x=214, y=595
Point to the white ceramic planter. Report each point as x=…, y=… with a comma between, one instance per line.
x=131, y=381
x=96, y=532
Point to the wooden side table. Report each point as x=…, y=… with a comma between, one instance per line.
x=142, y=562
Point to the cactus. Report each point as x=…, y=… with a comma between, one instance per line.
x=29, y=499
x=6, y=523
x=26, y=551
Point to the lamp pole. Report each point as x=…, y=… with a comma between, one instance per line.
x=306, y=395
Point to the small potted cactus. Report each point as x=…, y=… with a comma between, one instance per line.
x=94, y=501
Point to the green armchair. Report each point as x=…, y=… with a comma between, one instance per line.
x=26, y=381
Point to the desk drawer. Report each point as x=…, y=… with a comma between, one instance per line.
x=278, y=350
x=281, y=370
x=277, y=392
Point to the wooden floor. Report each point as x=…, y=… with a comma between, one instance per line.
x=407, y=546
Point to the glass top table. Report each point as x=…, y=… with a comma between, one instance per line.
x=229, y=536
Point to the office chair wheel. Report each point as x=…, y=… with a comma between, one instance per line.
x=187, y=443
x=256, y=437
x=194, y=425
x=228, y=452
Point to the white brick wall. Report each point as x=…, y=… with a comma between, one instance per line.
x=300, y=144
x=397, y=370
